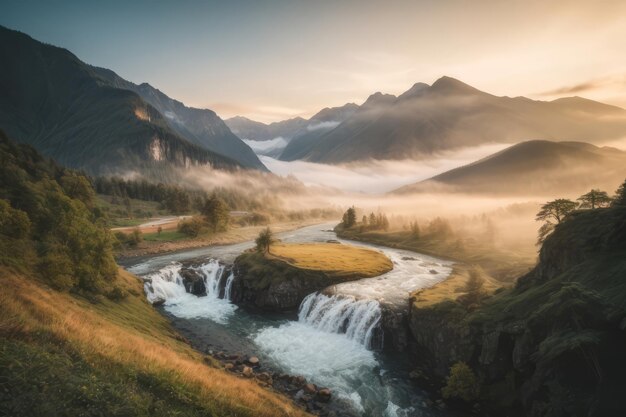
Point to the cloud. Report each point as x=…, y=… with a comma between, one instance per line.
x=589, y=85
x=271, y=147
x=322, y=125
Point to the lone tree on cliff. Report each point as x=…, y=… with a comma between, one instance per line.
x=594, y=199
x=553, y=213
x=265, y=240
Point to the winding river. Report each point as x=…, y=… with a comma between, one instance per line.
x=329, y=342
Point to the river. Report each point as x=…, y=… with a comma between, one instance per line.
x=329, y=342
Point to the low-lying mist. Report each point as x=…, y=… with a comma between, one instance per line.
x=375, y=176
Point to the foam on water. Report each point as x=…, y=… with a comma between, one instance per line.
x=328, y=359
x=167, y=284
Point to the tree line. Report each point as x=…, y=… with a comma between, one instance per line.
x=50, y=226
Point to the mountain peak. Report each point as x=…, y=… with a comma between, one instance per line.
x=416, y=90
x=449, y=85
x=379, y=98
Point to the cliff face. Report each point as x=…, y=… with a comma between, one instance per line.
x=274, y=285
x=554, y=344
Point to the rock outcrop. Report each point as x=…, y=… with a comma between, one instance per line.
x=273, y=285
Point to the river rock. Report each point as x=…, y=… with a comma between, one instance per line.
x=323, y=395
x=253, y=360
x=310, y=388
x=158, y=302
x=229, y=366
x=265, y=377
x=247, y=372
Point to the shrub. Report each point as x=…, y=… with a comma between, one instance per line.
x=191, y=227
x=461, y=383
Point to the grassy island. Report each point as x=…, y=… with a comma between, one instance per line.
x=335, y=259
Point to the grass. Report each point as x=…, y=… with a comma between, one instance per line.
x=165, y=236
x=62, y=355
x=142, y=211
x=336, y=259
x=451, y=288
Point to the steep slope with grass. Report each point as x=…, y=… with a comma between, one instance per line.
x=280, y=280
x=554, y=344
x=65, y=355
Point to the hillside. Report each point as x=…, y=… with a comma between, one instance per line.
x=68, y=111
x=532, y=168
x=450, y=114
x=201, y=127
x=553, y=345
x=77, y=336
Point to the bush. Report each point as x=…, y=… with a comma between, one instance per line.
x=191, y=227
x=461, y=383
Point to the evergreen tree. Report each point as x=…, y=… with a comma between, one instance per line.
x=349, y=218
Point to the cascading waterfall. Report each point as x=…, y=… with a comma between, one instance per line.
x=167, y=286
x=229, y=286
x=342, y=314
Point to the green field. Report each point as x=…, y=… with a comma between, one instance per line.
x=164, y=236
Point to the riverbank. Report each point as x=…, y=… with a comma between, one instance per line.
x=501, y=264
x=229, y=237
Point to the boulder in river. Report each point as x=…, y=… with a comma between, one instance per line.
x=159, y=301
x=323, y=395
x=253, y=361
x=194, y=282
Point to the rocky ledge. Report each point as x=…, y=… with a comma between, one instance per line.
x=274, y=285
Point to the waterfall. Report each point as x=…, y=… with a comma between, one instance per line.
x=167, y=287
x=358, y=319
x=229, y=286
x=212, y=273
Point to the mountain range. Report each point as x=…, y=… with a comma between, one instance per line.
x=91, y=119
x=535, y=167
x=450, y=114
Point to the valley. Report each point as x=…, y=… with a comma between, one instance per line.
x=333, y=209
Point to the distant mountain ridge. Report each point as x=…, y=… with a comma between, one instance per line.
x=290, y=128
x=450, y=114
x=533, y=168
x=91, y=119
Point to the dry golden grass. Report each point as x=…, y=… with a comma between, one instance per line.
x=452, y=288
x=334, y=258
x=132, y=334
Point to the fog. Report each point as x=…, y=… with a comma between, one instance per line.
x=375, y=177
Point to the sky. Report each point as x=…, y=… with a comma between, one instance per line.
x=274, y=59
